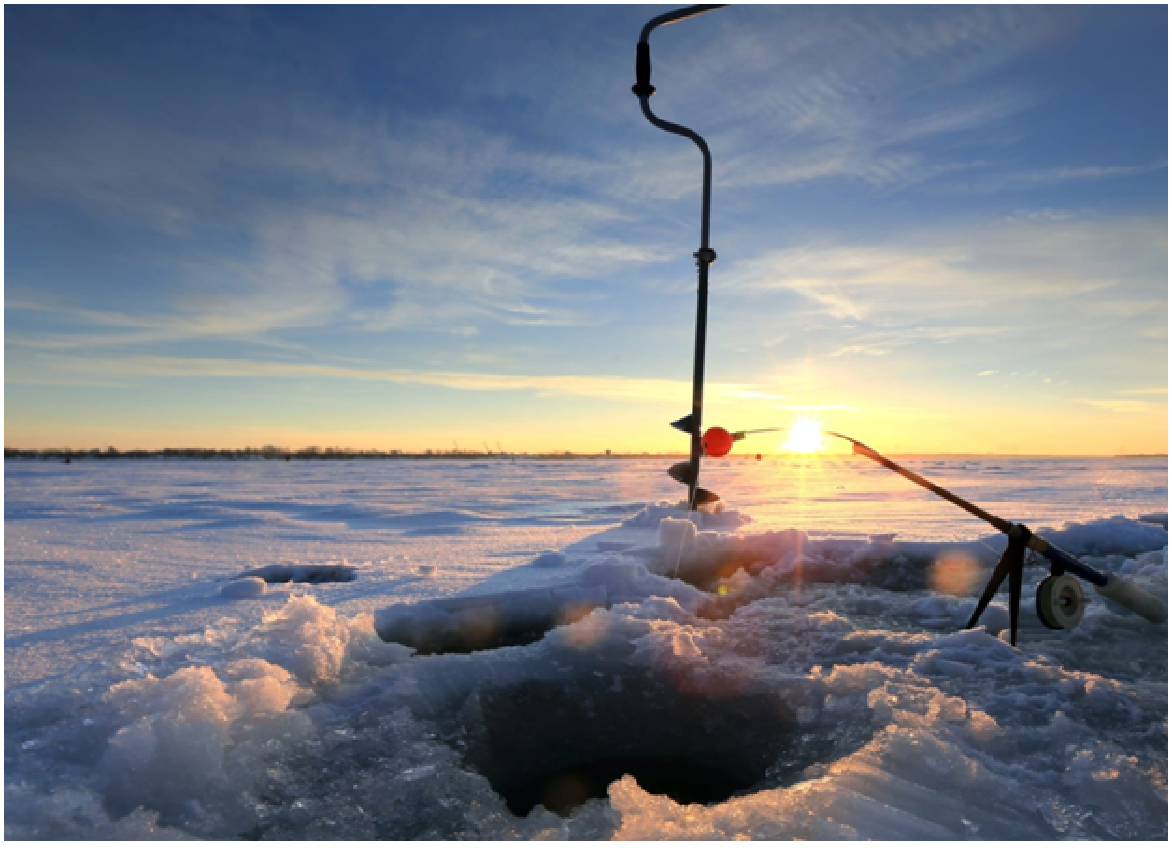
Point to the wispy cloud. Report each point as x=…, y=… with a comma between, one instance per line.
x=993, y=179
x=963, y=118
x=883, y=342
x=1033, y=216
x=815, y=407
x=607, y=387
x=862, y=350
x=1125, y=260
x=1070, y=173
x=855, y=98
x=1125, y=407
x=80, y=328
x=334, y=199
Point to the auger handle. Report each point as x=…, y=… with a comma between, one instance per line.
x=671, y=18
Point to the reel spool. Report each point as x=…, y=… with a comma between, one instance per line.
x=1061, y=602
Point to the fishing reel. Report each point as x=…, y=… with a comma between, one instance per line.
x=1061, y=602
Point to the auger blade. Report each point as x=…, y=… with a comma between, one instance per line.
x=687, y=424
x=683, y=472
x=703, y=496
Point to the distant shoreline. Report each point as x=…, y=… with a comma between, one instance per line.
x=318, y=454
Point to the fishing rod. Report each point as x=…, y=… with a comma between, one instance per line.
x=1060, y=598
x=689, y=472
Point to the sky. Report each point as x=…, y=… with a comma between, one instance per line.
x=939, y=229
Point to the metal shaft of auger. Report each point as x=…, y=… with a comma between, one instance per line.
x=698, y=374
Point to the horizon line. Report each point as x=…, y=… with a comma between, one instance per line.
x=314, y=452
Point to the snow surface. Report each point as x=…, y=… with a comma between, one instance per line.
x=824, y=666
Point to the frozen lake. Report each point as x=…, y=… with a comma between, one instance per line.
x=96, y=549
x=123, y=660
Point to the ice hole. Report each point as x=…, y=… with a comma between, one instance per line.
x=560, y=743
x=290, y=573
x=565, y=789
x=462, y=625
x=471, y=634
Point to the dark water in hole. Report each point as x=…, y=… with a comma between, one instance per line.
x=562, y=740
x=466, y=640
x=303, y=574
x=562, y=790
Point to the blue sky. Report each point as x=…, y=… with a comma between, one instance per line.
x=939, y=228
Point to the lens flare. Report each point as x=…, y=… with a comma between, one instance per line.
x=955, y=573
x=805, y=436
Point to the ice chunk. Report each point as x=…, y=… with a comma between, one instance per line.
x=1116, y=535
x=480, y=622
x=180, y=729
x=627, y=580
x=244, y=587
x=309, y=640
x=650, y=516
x=550, y=559
x=75, y=815
x=995, y=618
x=676, y=536
x=613, y=545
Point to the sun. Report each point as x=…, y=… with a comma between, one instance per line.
x=805, y=436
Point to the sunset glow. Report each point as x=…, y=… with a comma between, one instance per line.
x=805, y=436
x=381, y=258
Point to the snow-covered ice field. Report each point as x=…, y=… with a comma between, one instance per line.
x=805, y=683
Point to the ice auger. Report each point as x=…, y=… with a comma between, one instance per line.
x=685, y=472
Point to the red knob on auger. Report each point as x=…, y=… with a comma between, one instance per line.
x=716, y=441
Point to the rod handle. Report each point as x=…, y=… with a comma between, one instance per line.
x=1128, y=594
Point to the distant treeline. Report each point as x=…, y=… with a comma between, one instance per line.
x=279, y=453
